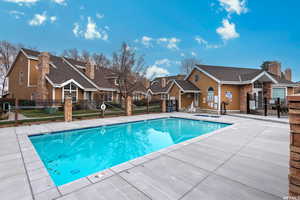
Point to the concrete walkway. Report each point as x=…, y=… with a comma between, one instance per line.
x=246, y=161
x=282, y=119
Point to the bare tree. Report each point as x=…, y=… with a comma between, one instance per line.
x=101, y=60
x=8, y=53
x=188, y=64
x=85, y=56
x=129, y=69
x=72, y=53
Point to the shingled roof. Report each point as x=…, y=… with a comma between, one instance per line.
x=186, y=85
x=238, y=74
x=67, y=68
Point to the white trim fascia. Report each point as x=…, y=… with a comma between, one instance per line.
x=32, y=58
x=90, y=90
x=65, y=83
x=264, y=73
x=96, y=86
x=71, y=81
x=207, y=74
x=48, y=79
x=174, y=81
x=235, y=82
x=168, y=90
x=192, y=91
x=27, y=56
x=286, y=85
x=52, y=65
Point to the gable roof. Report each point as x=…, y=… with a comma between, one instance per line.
x=186, y=85
x=62, y=71
x=66, y=69
x=239, y=75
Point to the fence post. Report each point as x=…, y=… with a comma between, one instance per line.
x=68, y=109
x=248, y=103
x=128, y=105
x=278, y=107
x=148, y=105
x=16, y=110
x=266, y=106
x=294, y=172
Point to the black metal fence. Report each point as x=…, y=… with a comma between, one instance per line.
x=267, y=106
x=146, y=106
x=17, y=111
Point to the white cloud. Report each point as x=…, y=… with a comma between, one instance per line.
x=91, y=32
x=227, y=31
x=164, y=61
x=61, y=2
x=99, y=15
x=38, y=19
x=170, y=43
x=206, y=44
x=200, y=40
x=234, y=6
x=53, y=19
x=155, y=71
x=16, y=14
x=146, y=41
x=22, y=2
x=76, y=29
x=182, y=54
x=193, y=53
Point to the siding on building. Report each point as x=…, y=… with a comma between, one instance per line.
x=18, y=89
x=234, y=103
x=203, y=84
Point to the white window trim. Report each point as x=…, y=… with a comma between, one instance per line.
x=278, y=87
x=70, y=91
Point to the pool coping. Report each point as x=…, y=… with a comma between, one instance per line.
x=42, y=183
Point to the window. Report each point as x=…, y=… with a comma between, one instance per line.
x=107, y=97
x=279, y=93
x=196, y=77
x=210, y=94
x=21, y=77
x=258, y=85
x=71, y=90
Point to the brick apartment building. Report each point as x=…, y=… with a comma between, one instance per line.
x=41, y=76
x=208, y=86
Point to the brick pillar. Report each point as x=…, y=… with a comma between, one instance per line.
x=43, y=70
x=294, y=118
x=163, y=106
x=68, y=109
x=128, y=106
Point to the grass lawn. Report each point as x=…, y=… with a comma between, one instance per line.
x=39, y=113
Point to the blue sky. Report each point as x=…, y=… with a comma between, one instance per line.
x=218, y=32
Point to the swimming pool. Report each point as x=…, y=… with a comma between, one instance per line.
x=74, y=154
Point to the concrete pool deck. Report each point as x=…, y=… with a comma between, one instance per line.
x=248, y=160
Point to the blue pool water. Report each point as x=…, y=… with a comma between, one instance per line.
x=74, y=154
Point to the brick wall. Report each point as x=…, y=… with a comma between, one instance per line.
x=294, y=174
x=243, y=96
x=267, y=87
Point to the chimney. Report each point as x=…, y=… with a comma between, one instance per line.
x=288, y=74
x=274, y=67
x=43, y=70
x=90, y=70
x=163, y=82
